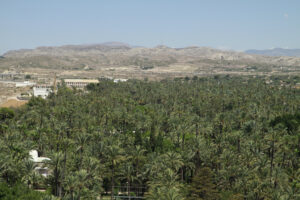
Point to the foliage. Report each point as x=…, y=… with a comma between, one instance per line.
x=27, y=76
x=19, y=192
x=6, y=113
x=239, y=132
x=202, y=186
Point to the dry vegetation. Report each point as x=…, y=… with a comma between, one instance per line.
x=13, y=103
x=123, y=61
x=9, y=91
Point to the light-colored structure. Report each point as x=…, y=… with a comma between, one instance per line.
x=11, y=75
x=44, y=171
x=79, y=83
x=120, y=80
x=41, y=91
x=35, y=157
x=7, y=76
x=24, y=84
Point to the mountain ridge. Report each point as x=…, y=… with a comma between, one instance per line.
x=121, y=58
x=275, y=52
x=119, y=50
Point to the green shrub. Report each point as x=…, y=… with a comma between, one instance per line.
x=18, y=192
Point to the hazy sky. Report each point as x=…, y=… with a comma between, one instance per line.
x=228, y=24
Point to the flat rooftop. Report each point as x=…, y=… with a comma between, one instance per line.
x=82, y=80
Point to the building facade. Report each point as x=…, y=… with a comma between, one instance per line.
x=42, y=91
x=79, y=83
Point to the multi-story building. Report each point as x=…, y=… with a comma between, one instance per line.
x=79, y=83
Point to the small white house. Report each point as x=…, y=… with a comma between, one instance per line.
x=44, y=171
x=41, y=91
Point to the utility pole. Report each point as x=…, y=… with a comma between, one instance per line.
x=54, y=84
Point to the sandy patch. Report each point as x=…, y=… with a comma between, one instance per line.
x=14, y=103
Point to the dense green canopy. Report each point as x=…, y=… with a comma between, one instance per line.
x=201, y=138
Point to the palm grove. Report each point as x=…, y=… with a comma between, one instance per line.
x=200, y=138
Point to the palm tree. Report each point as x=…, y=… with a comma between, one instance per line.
x=13, y=152
x=202, y=186
x=70, y=184
x=114, y=155
x=165, y=186
x=127, y=172
x=31, y=177
x=95, y=173
x=137, y=155
x=187, y=156
x=173, y=160
x=154, y=165
x=82, y=181
x=80, y=143
x=56, y=165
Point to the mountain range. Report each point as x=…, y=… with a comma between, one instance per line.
x=116, y=56
x=276, y=52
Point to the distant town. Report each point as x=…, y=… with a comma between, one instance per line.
x=18, y=87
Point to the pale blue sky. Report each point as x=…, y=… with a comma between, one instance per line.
x=231, y=24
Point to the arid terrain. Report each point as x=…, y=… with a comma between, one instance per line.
x=122, y=60
x=9, y=93
x=118, y=60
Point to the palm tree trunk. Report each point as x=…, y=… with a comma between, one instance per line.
x=272, y=160
x=181, y=172
x=112, y=181
x=128, y=188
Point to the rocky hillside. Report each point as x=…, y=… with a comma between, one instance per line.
x=115, y=55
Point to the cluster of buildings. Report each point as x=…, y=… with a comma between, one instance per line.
x=20, y=80
x=44, y=90
x=11, y=75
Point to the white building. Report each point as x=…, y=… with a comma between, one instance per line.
x=42, y=91
x=24, y=84
x=120, y=80
x=44, y=171
x=79, y=83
